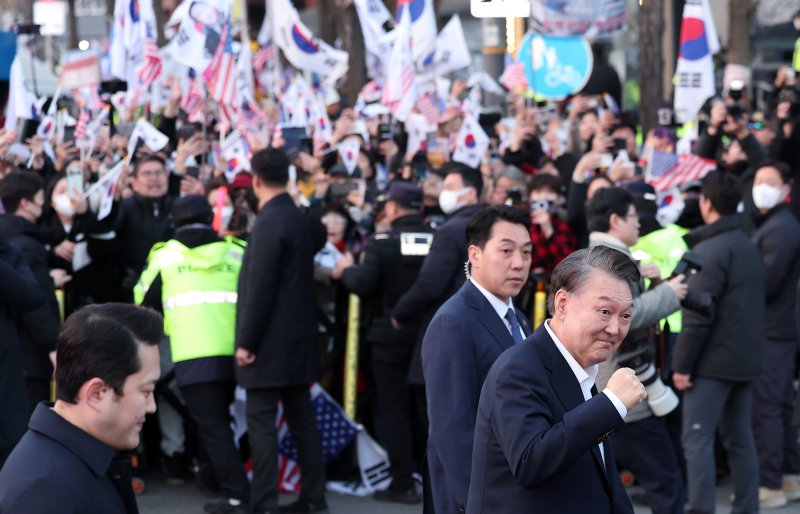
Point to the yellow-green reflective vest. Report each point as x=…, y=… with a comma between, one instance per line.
x=664, y=248
x=796, y=56
x=198, y=295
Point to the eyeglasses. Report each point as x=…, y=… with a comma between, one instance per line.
x=151, y=173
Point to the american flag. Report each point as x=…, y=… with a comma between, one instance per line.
x=406, y=83
x=513, y=76
x=688, y=167
x=221, y=72
x=335, y=429
x=82, y=128
x=193, y=100
x=263, y=56
x=428, y=105
x=150, y=68
x=250, y=116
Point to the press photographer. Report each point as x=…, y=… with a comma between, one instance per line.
x=643, y=446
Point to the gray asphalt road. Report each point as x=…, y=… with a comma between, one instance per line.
x=160, y=498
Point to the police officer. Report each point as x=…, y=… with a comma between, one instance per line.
x=192, y=279
x=390, y=264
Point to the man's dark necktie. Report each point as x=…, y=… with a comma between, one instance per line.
x=516, y=332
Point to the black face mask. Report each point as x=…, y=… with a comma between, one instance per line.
x=690, y=216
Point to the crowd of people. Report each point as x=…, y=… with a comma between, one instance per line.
x=252, y=272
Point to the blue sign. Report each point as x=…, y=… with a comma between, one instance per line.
x=556, y=67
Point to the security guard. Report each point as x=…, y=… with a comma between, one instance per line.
x=390, y=264
x=192, y=279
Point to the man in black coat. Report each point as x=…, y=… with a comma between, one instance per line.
x=142, y=220
x=18, y=293
x=718, y=355
x=390, y=264
x=442, y=273
x=778, y=240
x=276, y=336
x=23, y=198
x=72, y=459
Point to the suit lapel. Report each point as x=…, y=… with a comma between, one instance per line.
x=488, y=316
x=566, y=386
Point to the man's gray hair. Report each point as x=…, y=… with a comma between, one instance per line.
x=573, y=272
x=512, y=173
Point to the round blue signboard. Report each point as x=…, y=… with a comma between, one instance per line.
x=556, y=66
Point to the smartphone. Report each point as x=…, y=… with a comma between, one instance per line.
x=193, y=171
x=306, y=145
x=293, y=137
x=69, y=134
x=74, y=180
x=385, y=128
x=26, y=129
x=187, y=131
x=340, y=190
x=618, y=144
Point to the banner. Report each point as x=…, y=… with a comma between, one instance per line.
x=588, y=18
x=80, y=69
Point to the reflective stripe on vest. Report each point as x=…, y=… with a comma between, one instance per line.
x=200, y=297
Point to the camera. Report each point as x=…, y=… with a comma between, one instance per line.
x=661, y=398
x=543, y=205
x=513, y=196
x=736, y=90
x=700, y=302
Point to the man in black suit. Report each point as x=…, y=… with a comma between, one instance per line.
x=464, y=338
x=441, y=274
x=276, y=336
x=541, y=425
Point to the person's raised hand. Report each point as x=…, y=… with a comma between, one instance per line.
x=626, y=385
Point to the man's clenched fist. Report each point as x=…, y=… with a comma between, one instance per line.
x=627, y=386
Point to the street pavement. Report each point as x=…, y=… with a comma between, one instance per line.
x=160, y=498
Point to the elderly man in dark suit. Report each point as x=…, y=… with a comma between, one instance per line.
x=276, y=336
x=464, y=338
x=541, y=425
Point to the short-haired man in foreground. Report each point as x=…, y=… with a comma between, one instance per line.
x=541, y=426
x=68, y=461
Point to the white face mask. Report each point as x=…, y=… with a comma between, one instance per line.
x=227, y=214
x=448, y=200
x=63, y=205
x=766, y=196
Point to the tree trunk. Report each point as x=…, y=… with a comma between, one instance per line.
x=651, y=29
x=739, y=31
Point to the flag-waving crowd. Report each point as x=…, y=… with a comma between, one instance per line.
x=226, y=184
